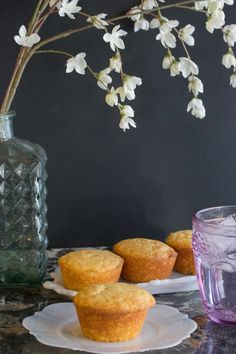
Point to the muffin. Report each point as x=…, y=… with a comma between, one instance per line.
x=145, y=259
x=112, y=312
x=85, y=267
x=181, y=242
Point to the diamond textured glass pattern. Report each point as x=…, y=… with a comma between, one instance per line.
x=23, y=224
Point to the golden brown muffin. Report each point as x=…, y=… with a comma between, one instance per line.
x=145, y=259
x=85, y=267
x=181, y=241
x=112, y=312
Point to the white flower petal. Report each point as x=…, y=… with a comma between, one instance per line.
x=18, y=40
x=125, y=122
x=34, y=37
x=197, y=108
x=187, y=67
x=141, y=24
x=229, y=34
x=155, y=23
x=22, y=31
x=128, y=111
x=233, y=80
x=229, y=60
x=195, y=85
x=107, y=37
x=120, y=43
x=215, y=21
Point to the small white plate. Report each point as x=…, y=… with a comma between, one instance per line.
x=176, y=283
x=58, y=326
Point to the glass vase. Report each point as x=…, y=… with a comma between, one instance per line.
x=23, y=224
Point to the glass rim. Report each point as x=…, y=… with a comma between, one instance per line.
x=210, y=224
x=7, y=115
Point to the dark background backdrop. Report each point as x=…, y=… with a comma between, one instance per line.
x=105, y=185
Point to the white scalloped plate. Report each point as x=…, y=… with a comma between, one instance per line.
x=176, y=283
x=58, y=326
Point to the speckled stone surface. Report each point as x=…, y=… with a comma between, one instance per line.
x=18, y=303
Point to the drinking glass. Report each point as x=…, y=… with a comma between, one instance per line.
x=214, y=247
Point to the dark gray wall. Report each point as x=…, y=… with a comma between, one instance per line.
x=105, y=185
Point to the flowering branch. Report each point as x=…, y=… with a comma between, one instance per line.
x=31, y=44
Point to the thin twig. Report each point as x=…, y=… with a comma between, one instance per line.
x=45, y=5
x=35, y=16
x=190, y=8
x=52, y=51
x=59, y=36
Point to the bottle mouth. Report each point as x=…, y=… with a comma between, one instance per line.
x=7, y=115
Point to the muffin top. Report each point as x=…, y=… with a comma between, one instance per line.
x=91, y=260
x=180, y=239
x=113, y=298
x=143, y=248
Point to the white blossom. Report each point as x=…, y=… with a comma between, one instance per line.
x=167, y=61
x=116, y=63
x=111, y=97
x=174, y=68
x=141, y=24
x=215, y=21
x=155, y=23
x=130, y=95
x=168, y=25
x=185, y=34
x=77, y=63
x=114, y=38
x=24, y=40
x=132, y=13
x=98, y=21
x=69, y=8
x=228, y=59
x=126, y=122
x=167, y=39
x=103, y=79
x=195, y=85
x=229, y=34
x=197, y=108
x=127, y=113
x=233, y=80
x=166, y=36
x=218, y=4
x=187, y=67
x=200, y=5
x=149, y=4
x=130, y=83
x=214, y=5
x=127, y=110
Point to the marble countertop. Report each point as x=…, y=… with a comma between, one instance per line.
x=18, y=303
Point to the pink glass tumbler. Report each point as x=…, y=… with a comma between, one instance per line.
x=214, y=247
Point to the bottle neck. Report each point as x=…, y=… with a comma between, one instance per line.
x=6, y=126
